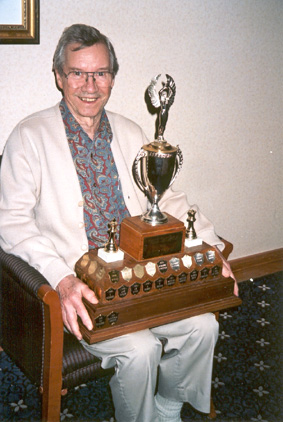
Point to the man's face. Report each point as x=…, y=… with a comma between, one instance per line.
x=88, y=100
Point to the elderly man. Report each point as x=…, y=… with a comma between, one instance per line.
x=67, y=173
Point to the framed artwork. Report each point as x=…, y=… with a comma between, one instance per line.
x=19, y=21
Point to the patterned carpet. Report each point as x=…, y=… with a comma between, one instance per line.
x=247, y=376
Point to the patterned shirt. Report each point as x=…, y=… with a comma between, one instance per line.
x=98, y=176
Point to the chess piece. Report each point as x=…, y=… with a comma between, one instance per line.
x=111, y=252
x=191, y=236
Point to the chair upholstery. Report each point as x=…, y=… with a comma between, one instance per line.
x=33, y=335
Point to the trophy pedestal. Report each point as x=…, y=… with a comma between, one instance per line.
x=144, y=241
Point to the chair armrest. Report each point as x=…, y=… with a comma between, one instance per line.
x=26, y=276
x=228, y=248
x=31, y=320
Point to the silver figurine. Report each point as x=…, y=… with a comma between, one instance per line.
x=158, y=163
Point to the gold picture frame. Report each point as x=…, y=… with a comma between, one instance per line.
x=24, y=31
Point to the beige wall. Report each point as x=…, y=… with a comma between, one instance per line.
x=226, y=59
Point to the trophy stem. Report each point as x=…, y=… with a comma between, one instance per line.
x=154, y=216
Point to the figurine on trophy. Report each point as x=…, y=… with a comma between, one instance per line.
x=111, y=252
x=191, y=236
x=158, y=163
x=164, y=99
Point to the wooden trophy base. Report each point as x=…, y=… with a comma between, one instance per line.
x=134, y=295
x=147, y=312
x=143, y=241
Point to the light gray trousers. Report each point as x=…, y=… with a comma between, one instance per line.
x=185, y=367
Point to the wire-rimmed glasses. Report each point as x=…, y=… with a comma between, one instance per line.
x=78, y=77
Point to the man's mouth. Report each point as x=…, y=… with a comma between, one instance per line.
x=88, y=100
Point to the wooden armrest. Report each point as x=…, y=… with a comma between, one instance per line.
x=227, y=249
x=32, y=324
x=53, y=351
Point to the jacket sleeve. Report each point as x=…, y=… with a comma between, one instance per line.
x=20, y=188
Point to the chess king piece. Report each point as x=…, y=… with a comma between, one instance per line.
x=190, y=232
x=191, y=236
x=158, y=163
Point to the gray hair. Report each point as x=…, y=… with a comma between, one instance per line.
x=85, y=36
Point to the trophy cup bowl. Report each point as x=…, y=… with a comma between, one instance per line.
x=155, y=169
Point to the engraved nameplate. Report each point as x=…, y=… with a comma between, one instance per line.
x=162, y=245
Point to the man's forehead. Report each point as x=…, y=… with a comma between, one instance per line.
x=77, y=50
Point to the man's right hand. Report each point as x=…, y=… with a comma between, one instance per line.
x=71, y=290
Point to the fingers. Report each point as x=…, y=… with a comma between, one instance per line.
x=71, y=290
x=227, y=272
x=89, y=295
x=70, y=320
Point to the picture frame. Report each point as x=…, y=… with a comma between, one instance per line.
x=19, y=22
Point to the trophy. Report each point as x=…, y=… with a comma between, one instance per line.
x=158, y=163
x=155, y=168
x=160, y=272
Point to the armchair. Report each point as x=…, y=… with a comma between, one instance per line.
x=33, y=336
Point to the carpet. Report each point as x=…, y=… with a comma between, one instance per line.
x=247, y=374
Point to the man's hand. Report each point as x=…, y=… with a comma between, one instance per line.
x=71, y=290
x=227, y=272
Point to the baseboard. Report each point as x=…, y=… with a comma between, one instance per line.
x=257, y=265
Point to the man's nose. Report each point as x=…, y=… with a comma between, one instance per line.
x=91, y=81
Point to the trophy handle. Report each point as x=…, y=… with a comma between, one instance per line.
x=178, y=165
x=136, y=175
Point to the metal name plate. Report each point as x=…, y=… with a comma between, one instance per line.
x=199, y=258
x=123, y=291
x=150, y=268
x=171, y=280
x=183, y=278
x=187, y=261
x=162, y=266
x=161, y=245
x=100, y=321
x=139, y=271
x=113, y=318
x=175, y=264
x=159, y=283
x=135, y=288
x=147, y=286
x=127, y=273
x=110, y=294
x=114, y=276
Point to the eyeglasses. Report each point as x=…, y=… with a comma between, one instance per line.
x=76, y=77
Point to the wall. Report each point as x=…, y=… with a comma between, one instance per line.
x=226, y=59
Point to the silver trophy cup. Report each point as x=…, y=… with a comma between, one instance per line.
x=158, y=163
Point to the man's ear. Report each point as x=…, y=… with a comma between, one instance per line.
x=113, y=82
x=59, y=80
